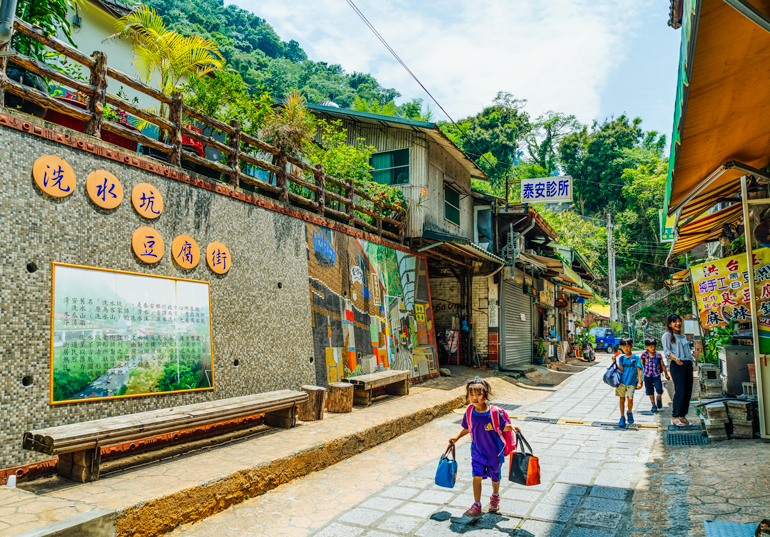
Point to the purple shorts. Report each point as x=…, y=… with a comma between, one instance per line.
x=492, y=472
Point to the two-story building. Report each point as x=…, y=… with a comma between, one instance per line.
x=435, y=175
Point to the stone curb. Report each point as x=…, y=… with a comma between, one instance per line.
x=94, y=523
x=156, y=517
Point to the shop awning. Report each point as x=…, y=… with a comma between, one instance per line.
x=456, y=248
x=702, y=230
x=678, y=279
x=542, y=263
x=576, y=291
x=721, y=127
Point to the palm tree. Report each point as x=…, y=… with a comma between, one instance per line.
x=163, y=55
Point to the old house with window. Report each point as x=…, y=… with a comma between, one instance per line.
x=435, y=176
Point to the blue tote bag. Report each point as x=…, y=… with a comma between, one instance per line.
x=446, y=473
x=612, y=376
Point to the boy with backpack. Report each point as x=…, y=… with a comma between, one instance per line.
x=631, y=379
x=653, y=365
x=492, y=439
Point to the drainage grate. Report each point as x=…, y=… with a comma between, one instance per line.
x=685, y=428
x=538, y=418
x=686, y=439
x=604, y=424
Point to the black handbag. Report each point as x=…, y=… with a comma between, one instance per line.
x=524, y=467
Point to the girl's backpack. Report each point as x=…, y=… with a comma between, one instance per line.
x=509, y=443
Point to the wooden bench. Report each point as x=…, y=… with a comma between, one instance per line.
x=395, y=383
x=78, y=445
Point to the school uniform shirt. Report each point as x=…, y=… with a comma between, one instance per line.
x=487, y=447
x=630, y=374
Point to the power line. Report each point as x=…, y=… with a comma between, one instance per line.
x=653, y=264
x=399, y=60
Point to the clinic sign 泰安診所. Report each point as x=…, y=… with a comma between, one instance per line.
x=546, y=190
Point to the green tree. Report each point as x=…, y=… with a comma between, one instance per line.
x=163, y=53
x=543, y=139
x=595, y=158
x=290, y=127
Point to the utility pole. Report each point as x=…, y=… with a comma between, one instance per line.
x=611, y=261
x=620, y=301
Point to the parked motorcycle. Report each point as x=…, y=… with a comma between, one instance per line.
x=588, y=352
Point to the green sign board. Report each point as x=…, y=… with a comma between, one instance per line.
x=666, y=227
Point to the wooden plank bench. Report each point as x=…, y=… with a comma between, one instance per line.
x=395, y=383
x=78, y=445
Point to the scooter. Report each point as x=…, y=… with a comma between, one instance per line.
x=588, y=352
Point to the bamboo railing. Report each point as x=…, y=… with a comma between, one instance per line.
x=388, y=220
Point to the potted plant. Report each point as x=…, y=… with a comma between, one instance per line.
x=541, y=351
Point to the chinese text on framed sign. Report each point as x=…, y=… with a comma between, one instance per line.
x=120, y=334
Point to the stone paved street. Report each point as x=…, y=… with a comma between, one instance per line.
x=597, y=481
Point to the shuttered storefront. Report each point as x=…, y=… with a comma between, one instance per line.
x=515, y=333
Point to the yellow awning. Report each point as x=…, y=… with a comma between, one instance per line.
x=723, y=104
x=704, y=229
x=576, y=291
x=678, y=279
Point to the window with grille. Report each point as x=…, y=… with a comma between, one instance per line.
x=391, y=167
x=451, y=205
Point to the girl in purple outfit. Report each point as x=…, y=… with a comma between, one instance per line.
x=487, y=447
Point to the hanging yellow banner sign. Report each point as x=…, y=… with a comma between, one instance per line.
x=722, y=292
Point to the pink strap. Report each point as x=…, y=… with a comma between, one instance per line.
x=468, y=412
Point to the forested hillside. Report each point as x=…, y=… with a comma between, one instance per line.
x=251, y=46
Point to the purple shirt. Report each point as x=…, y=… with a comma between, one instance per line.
x=487, y=446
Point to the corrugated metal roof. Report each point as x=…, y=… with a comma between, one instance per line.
x=431, y=129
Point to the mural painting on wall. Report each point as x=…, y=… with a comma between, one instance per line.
x=120, y=334
x=370, y=306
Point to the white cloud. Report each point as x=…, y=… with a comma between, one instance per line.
x=558, y=54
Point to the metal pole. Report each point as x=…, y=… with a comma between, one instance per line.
x=611, y=263
x=754, y=312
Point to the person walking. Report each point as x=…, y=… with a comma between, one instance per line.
x=487, y=447
x=677, y=349
x=630, y=368
x=653, y=367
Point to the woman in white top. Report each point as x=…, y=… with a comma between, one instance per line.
x=677, y=349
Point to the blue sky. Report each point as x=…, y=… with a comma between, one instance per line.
x=591, y=58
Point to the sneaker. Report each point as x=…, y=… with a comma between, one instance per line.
x=654, y=409
x=494, y=503
x=630, y=418
x=622, y=422
x=659, y=401
x=474, y=511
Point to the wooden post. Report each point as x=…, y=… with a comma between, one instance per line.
x=81, y=466
x=175, y=116
x=233, y=160
x=340, y=397
x=3, y=77
x=320, y=183
x=351, y=190
x=281, y=178
x=313, y=409
x=379, y=224
x=285, y=418
x=98, y=94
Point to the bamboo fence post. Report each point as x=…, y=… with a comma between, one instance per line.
x=98, y=94
x=233, y=159
x=175, y=116
x=320, y=195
